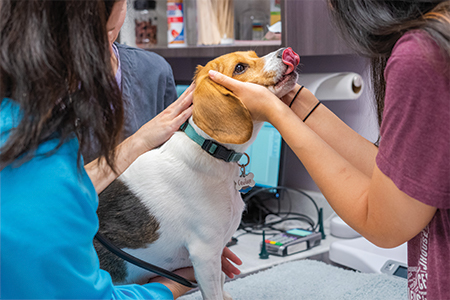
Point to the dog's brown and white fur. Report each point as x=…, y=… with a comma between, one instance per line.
x=177, y=206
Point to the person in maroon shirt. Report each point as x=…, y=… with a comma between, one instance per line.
x=398, y=189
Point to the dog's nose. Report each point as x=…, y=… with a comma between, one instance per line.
x=280, y=53
x=290, y=58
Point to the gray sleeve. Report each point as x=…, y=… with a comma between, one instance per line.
x=148, y=86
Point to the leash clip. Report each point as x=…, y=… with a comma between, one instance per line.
x=220, y=152
x=209, y=146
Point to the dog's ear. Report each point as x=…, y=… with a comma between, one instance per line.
x=197, y=71
x=219, y=113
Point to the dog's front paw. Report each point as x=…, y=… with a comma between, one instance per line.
x=227, y=296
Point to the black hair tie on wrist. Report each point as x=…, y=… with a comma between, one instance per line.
x=318, y=103
x=296, y=94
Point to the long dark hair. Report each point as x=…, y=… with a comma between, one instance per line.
x=56, y=64
x=372, y=27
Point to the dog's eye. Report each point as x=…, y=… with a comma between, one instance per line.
x=239, y=69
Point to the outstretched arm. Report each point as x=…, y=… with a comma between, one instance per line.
x=356, y=149
x=356, y=189
x=149, y=136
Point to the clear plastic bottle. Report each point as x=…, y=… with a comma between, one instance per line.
x=146, y=28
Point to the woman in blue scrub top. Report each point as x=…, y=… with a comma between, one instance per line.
x=59, y=95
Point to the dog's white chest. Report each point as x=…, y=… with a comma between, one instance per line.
x=191, y=195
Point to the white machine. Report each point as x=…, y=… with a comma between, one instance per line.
x=360, y=254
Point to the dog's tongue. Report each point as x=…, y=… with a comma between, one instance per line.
x=291, y=59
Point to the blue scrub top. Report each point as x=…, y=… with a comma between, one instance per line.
x=48, y=223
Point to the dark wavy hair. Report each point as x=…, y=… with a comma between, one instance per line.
x=56, y=64
x=372, y=27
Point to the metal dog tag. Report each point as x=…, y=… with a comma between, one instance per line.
x=244, y=182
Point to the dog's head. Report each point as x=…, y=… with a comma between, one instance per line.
x=222, y=115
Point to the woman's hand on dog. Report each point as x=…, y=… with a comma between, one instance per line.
x=158, y=130
x=178, y=289
x=228, y=258
x=151, y=135
x=262, y=104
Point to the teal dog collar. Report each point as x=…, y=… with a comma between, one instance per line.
x=210, y=146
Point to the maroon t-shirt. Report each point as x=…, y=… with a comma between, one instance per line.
x=414, y=153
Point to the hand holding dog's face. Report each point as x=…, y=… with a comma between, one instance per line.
x=214, y=102
x=258, y=99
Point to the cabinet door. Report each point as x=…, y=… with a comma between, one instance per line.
x=308, y=29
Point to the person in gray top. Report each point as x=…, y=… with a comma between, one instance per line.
x=148, y=86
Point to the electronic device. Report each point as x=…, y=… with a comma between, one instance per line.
x=361, y=255
x=265, y=157
x=292, y=241
x=396, y=268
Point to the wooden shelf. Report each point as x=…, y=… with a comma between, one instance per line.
x=260, y=47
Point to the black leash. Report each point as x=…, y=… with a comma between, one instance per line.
x=143, y=264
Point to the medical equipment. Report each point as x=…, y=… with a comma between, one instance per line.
x=395, y=268
x=292, y=241
x=361, y=255
x=142, y=264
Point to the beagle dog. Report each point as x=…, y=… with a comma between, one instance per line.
x=178, y=205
